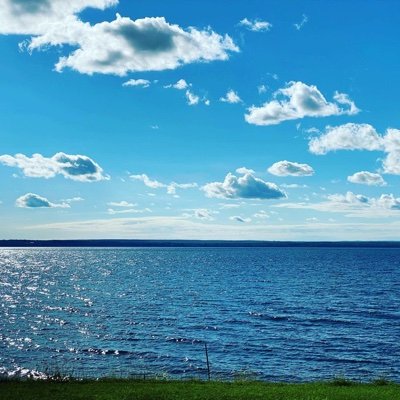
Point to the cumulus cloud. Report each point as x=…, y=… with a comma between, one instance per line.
x=255, y=25
x=289, y=168
x=192, y=99
x=31, y=200
x=353, y=205
x=346, y=137
x=231, y=97
x=237, y=218
x=76, y=167
x=39, y=17
x=154, y=184
x=110, y=47
x=360, y=137
x=180, y=85
x=244, y=187
x=137, y=82
x=244, y=170
x=298, y=100
x=367, y=178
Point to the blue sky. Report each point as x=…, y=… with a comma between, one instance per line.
x=269, y=120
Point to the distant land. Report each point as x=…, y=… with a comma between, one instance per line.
x=191, y=243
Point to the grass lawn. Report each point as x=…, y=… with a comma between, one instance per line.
x=187, y=390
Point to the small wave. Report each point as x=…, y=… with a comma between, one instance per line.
x=183, y=340
x=22, y=373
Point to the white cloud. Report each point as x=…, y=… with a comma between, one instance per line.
x=231, y=97
x=298, y=101
x=154, y=184
x=367, y=178
x=38, y=17
x=360, y=137
x=353, y=205
x=246, y=187
x=262, y=89
x=122, y=203
x=76, y=167
x=119, y=46
x=300, y=24
x=204, y=214
x=191, y=98
x=180, y=85
x=73, y=200
x=171, y=187
x=289, y=168
x=346, y=137
x=237, y=218
x=179, y=227
x=261, y=215
x=147, y=181
x=137, y=82
x=244, y=170
x=31, y=200
x=255, y=25
x=293, y=186
x=111, y=211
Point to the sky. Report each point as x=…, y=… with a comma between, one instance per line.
x=260, y=119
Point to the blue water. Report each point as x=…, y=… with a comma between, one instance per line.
x=272, y=313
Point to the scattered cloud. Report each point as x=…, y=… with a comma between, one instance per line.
x=31, y=200
x=300, y=24
x=154, y=184
x=353, y=205
x=202, y=213
x=76, y=167
x=255, y=25
x=261, y=215
x=111, y=211
x=231, y=97
x=244, y=187
x=298, y=100
x=293, y=186
x=367, y=178
x=262, y=89
x=237, y=218
x=289, y=168
x=73, y=200
x=360, y=137
x=137, y=82
x=192, y=99
x=180, y=85
x=122, y=203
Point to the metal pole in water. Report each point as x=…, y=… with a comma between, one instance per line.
x=208, y=362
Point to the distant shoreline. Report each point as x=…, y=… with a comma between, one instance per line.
x=193, y=243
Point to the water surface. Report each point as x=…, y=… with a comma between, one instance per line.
x=274, y=313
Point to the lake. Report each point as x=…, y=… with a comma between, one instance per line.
x=281, y=314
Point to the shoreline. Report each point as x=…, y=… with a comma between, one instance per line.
x=120, y=243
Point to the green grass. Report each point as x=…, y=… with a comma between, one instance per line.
x=125, y=389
